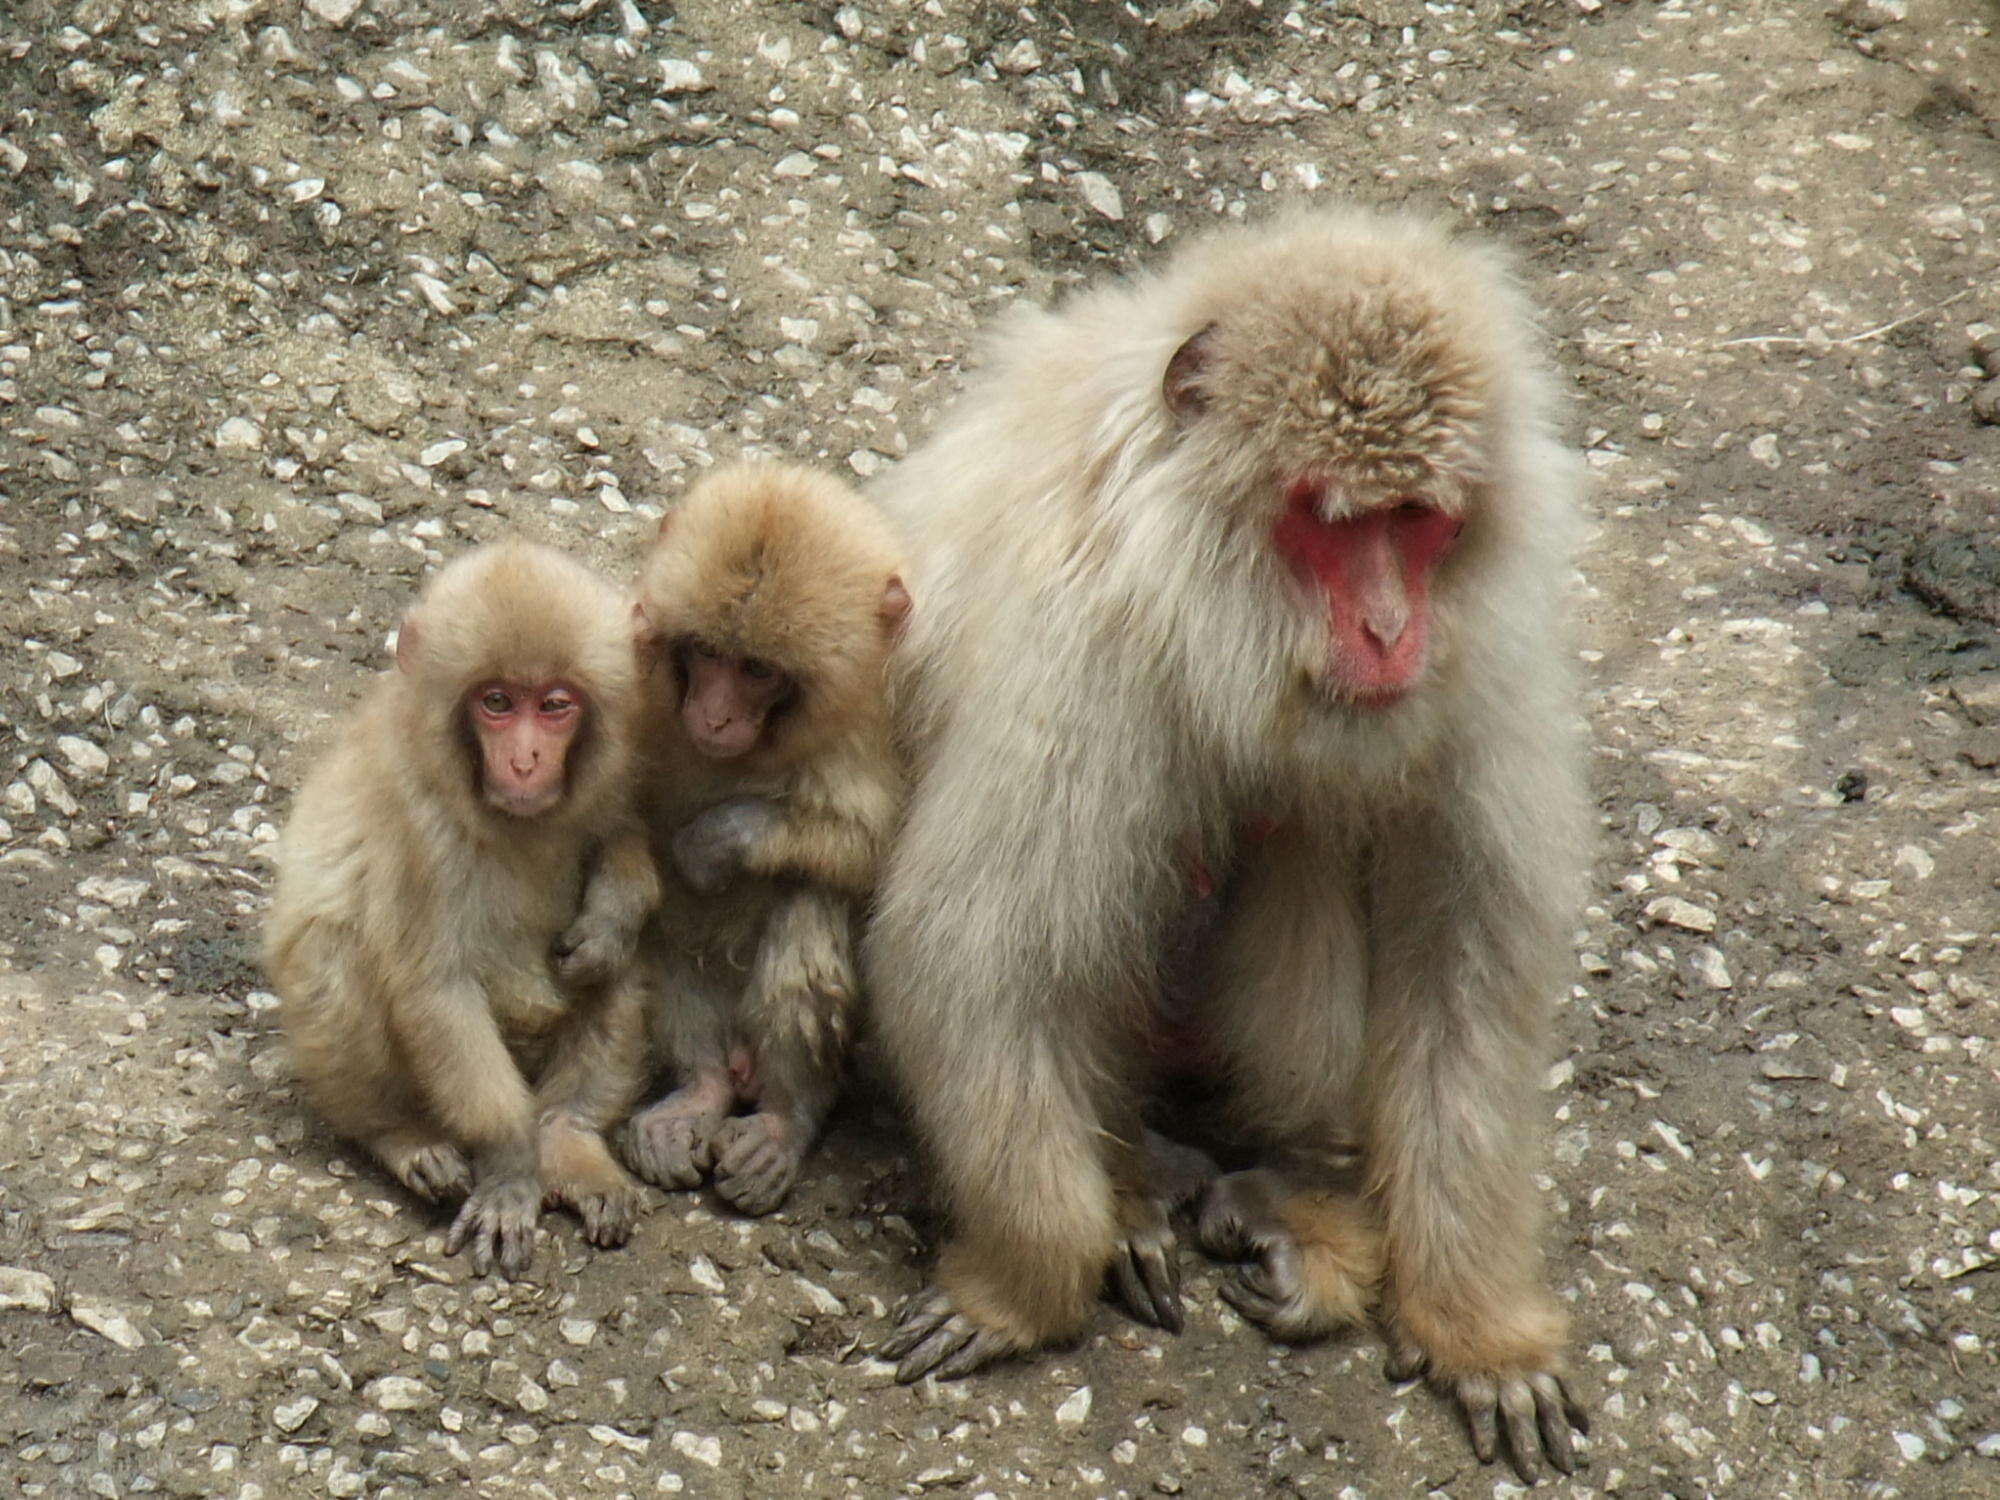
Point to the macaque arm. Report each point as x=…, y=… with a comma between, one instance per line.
x=592, y=1075
x=462, y=1065
x=833, y=826
x=1468, y=898
x=622, y=891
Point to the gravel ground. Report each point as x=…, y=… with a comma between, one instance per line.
x=297, y=299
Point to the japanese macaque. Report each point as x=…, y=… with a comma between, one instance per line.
x=1243, y=583
x=434, y=860
x=772, y=597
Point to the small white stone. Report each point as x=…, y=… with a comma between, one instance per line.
x=703, y=1450
x=121, y=892
x=1157, y=228
x=1672, y=911
x=62, y=665
x=334, y=12
x=437, y=453
x=1911, y=1446
x=84, y=758
x=1916, y=861
x=1023, y=57
x=1710, y=968
x=108, y=1320
x=25, y=1290
x=291, y=1416
x=397, y=1393
x=794, y=164
x=577, y=1331
x=1765, y=450
x=1099, y=193
x=823, y=1301
x=702, y=1272
x=678, y=76
x=1075, y=1409
x=239, y=432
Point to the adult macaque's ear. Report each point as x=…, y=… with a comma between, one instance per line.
x=895, y=606
x=1180, y=387
x=407, y=637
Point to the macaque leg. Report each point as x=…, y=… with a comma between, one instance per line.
x=484, y=1104
x=420, y=1158
x=1469, y=957
x=621, y=891
x=1283, y=1002
x=670, y=1142
x=1154, y=1178
x=797, y=1012
x=590, y=1081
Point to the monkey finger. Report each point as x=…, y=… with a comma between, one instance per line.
x=916, y=1320
x=1477, y=1398
x=937, y=1350
x=1143, y=1292
x=1260, y=1309
x=983, y=1349
x=1524, y=1442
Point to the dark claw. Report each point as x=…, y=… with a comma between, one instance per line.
x=1147, y=1280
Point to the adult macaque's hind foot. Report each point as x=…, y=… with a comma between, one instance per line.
x=932, y=1337
x=432, y=1169
x=1145, y=1267
x=757, y=1159
x=671, y=1145
x=1531, y=1403
x=497, y=1226
x=1313, y=1258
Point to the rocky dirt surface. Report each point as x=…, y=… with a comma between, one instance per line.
x=297, y=299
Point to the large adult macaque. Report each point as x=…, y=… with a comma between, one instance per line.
x=433, y=861
x=771, y=598
x=1245, y=576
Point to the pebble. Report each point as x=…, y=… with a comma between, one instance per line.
x=26, y=1291
x=47, y=783
x=1708, y=965
x=680, y=77
x=1100, y=194
x=83, y=758
x=334, y=12
x=291, y=1416
x=108, y=1320
x=239, y=433
x=398, y=1393
x=1672, y=911
x=703, y=1450
x=1075, y=1410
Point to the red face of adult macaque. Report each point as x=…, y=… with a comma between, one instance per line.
x=525, y=731
x=728, y=700
x=1374, y=571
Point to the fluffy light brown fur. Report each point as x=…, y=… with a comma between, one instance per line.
x=409, y=938
x=1114, y=665
x=790, y=566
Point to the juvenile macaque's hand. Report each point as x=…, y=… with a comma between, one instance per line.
x=710, y=850
x=596, y=947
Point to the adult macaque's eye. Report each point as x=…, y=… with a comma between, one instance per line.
x=752, y=667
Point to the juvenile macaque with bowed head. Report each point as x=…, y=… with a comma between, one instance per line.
x=772, y=597
x=1277, y=541
x=434, y=861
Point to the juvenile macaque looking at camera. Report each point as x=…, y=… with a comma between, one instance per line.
x=435, y=861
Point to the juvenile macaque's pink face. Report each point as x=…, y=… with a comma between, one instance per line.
x=525, y=731
x=1374, y=571
x=728, y=700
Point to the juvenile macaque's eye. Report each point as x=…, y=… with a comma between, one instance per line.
x=495, y=702
x=555, y=705
x=754, y=668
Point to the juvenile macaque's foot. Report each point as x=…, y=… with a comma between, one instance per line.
x=1145, y=1267
x=1313, y=1258
x=710, y=850
x=578, y=1173
x=497, y=1225
x=671, y=1144
x=757, y=1159
x=432, y=1169
x=932, y=1337
x=1531, y=1402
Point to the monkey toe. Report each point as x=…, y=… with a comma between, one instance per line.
x=669, y=1150
x=497, y=1227
x=1533, y=1415
x=434, y=1173
x=935, y=1339
x=755, y=1164
x=1146, y=1275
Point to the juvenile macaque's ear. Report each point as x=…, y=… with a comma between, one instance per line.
x=645, y=638
x=407, y=636
x=895, y=606
x=1180, y=387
